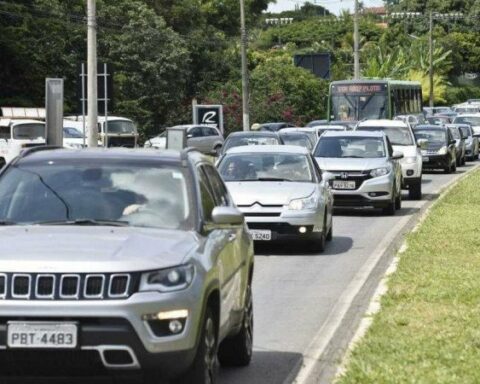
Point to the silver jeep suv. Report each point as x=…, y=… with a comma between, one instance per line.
x=125, y=260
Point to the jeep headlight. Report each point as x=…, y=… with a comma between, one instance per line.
x=442, y=151
x=168, y=280
x=409, y=160
x=309, y=202
x=380, y=172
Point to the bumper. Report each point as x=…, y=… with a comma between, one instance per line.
x=376, y=193
x=288, y=224
x=412, y=173
x=436, y=161
x=114, y=332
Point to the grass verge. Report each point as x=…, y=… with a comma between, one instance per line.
x=428, y=330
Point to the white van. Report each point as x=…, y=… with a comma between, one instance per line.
x=16, y=135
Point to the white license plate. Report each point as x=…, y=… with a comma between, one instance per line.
x=426, y=159
x=343, y=184
x=41, y=335
x=261, y=235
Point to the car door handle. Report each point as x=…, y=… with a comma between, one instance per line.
x=232, y=237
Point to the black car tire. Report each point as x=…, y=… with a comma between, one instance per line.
x=389, y=210
x=398, y=202
x=415, y=191
x=204, y=369
x=218, y=150
x=330, y=233
x=454, y=167
x=237, y=351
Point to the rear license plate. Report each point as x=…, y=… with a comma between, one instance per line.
x=261, y=235
x=343, y=184
x=42, y=335
x=426, y=159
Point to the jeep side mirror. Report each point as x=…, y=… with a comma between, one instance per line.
x=397, y=155
x=227, y=216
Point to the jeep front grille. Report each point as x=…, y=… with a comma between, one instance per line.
x=32, y=286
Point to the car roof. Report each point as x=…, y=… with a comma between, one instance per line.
x=40, y=154
x=376, y=134
x=331, y=127
x=430, y=126
x=253, y=133
x=468, y=115
x=383, y=123
x=294, y=149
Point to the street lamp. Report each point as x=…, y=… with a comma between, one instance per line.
x=245, y=90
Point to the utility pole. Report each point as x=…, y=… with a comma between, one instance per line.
x=245, y=90
x=92, y=74
x=356, y=42
x=430, y=70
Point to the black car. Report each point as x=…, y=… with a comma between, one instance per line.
x=441, y=147
x=238, y=139
x=460, y=143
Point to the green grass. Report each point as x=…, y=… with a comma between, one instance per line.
x=428, y=330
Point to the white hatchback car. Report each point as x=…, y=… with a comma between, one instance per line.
x=403, y=140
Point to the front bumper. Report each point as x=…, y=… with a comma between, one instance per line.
x=412, y=172
x=375, y=192
x=285, y=224
x=118, y=325
x=434, y=161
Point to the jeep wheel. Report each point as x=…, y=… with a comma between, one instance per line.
x=398, y=201
x=204, y=367
x=217, y=150
x=330, y=233
x=237, y=351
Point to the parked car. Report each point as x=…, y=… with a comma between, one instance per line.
x=472, y=119
x=363, y=169
x=238, y=139
x=403, y=140
x=275, y=127
x=131, y=260
x=471, y=142
x=280, y=191
x=460, y=147
x=206, y=139
x=440, y=151
x=466, y=108
x=430, y=111
x=301, y=139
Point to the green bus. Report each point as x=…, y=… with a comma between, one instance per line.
x=356, y=100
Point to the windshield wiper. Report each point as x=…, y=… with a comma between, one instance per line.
x=86, y=222
x=272, y=179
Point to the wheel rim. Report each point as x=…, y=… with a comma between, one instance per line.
x=248, y=322
x=210, y=350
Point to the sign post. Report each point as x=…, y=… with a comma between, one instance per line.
x=54, y=111
x=210, y=115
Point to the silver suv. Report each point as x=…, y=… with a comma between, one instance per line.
x=126, y=259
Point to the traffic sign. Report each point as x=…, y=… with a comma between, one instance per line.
x=211, y=115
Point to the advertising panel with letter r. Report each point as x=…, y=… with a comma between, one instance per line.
x=210, y=115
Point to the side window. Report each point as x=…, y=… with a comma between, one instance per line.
x=206, y=196
x=196, y=132
x=318, y=172
x=219, y=190
x=210, y=131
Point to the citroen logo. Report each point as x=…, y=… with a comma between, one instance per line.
x=344, y=175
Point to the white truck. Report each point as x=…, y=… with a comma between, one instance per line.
x=117, y=132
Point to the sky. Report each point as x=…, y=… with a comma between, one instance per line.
x=334, y=6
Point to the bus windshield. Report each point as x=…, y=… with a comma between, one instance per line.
x=355, y=102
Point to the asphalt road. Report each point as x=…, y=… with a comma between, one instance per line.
x=296, y=292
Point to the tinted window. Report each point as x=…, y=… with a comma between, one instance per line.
x=431, y=135
x=196, y=132
x=120, y=127
x=206, y=196
x=29, y=131
x=397, y=135
x=237, y=141
x=218, y=187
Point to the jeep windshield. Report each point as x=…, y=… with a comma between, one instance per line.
x=120, y=127
x=75, y=193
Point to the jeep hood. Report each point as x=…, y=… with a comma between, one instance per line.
x=81, y=249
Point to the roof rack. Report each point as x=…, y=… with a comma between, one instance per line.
x=29, y=151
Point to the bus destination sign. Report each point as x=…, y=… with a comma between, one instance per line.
x=358, y=89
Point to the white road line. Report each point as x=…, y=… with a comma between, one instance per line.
x=314, y=351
